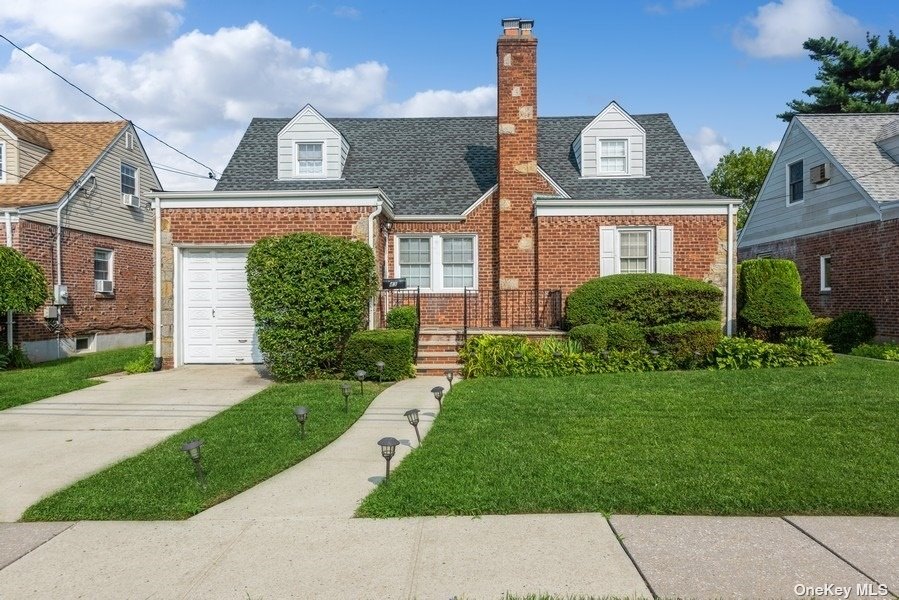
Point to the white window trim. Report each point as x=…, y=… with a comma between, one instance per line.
x=650, y=250
x=821, y=260
x=627, y=157
x=296, y=160
x=437, y=260
x=110, y=268
x=3, y=162
x=136, y=177
x=787, y=177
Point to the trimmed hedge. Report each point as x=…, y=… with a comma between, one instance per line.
x=309, y=293
x=818, y=328
x=592, y=337
x=648, y=299
x=686, y=343
x=402, y=317
x=769, y=298
x=392, y=346
x=626, y=336
x=849, y=330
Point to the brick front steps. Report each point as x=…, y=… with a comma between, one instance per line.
x=438, y=349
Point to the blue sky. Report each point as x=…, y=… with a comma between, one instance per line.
x=194, y=71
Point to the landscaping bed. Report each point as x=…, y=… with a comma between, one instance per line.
x=244, y=445
x=812, y=440
x=42, y=380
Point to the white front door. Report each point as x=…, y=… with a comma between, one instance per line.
x=217, y=321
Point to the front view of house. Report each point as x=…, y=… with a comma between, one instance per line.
x=491, y=221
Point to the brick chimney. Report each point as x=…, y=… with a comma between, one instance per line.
x=516, y=143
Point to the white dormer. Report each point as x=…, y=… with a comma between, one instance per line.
x=613, y=145
x=309, y=147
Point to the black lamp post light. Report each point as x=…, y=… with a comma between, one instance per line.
x=449, y=376
x=380, y=367
x=192, y=448
x=438, y=394
x=301, y=413
x=388, y=449
x=412, y=415
x=345, y=389
x=361, y=375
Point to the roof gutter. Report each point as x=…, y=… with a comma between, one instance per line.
x=8, y=222
x=371, y=242
x=276, y=198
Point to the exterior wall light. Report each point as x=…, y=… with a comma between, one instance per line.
x=412, y=415
x=388, y=449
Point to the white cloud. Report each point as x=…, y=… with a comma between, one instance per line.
x=773, y=145
x=778, y=29
x=92, y=23
x=707, y=146
x=445, y=103
x=347, y=12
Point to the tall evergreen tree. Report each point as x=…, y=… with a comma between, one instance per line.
x=852, y=79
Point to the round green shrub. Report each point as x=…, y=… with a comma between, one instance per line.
x=775, y=307
x=592, y=337
x=818, y=327
x=23, y=286
x=309, y=293
x=402, y=317
x=687, y=343
x=648, y=299
x=626, y=336
x=849, y=330
x=393, y=347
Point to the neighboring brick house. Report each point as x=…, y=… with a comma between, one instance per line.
x=830, y=203
x=494, y=219
x=73, y=198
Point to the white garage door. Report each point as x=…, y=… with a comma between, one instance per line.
x=217, y=318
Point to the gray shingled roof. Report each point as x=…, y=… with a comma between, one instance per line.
x=440, y=166
x=851, y=139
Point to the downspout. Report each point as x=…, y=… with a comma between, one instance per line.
x=729, y=311
x=9, y=339
x=157, y=286
x=371, y=242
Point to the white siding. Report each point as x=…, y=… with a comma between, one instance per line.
x=613, y=123
x=10, y=157
x=29, y=156
x=837, y=203
x=309, y=126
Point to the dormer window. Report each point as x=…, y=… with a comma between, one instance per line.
x=612, y=157
x=310, y=161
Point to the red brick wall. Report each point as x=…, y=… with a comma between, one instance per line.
x=130, y=308
x=864, y=270
x=569, y=246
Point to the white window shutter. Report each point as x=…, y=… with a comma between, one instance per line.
x=607, y=243
x=665, y=249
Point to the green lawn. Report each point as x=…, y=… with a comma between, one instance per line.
x=42, y=380
x=244, y=445
x=808, y=440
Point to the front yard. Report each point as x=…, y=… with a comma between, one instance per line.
x=809, y=440
x=43, y=380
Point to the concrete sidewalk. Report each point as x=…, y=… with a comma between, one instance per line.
x=52, y=443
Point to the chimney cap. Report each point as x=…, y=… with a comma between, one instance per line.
x=511, y=23
x=526, y=24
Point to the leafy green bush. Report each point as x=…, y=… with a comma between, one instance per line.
x=143, y=363
x=818, y=327
x=593, y=337
x=686, y=343
x=749, y=353
x=23, y=287
x=849, y=330
x=391, y=346
x=769, y=299
x=647, y=299
x=402, y=317
x=626, y=337
x=886, y=351
x=309, y=293
x=13, y=358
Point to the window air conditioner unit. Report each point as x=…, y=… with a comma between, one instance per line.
x=820, y=173
x=131, y=200
x=103, y=286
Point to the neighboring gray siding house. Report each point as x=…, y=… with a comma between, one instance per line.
x=830, y=202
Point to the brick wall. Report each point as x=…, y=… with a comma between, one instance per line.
x=864, y=272
x=130, y=308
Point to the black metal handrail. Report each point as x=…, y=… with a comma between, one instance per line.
x=417, y=324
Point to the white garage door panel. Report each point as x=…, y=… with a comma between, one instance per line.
x=218, y=320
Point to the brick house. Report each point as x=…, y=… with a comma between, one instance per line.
x=830, y=203
x=489, y=221
x=73, y=198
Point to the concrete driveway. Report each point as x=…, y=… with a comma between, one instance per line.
x=52, y=443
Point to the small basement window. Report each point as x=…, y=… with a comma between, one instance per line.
x=83, y=343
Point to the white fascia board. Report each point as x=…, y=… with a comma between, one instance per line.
x=552, y=183
x=602, y=114
x=429, y=218
x=309, y=109
x=273, y=199
x=478, y=202
x=556, y=207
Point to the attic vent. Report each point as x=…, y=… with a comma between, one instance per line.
x=820, y=173
x=129, y=141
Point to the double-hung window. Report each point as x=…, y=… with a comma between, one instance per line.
x=794, y=172
x=635, y=251
x=613, y=157
x=438, y=263
x=102, y=265
x=129, y=179
x=310, y=158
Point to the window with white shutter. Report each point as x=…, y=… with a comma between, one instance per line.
x=627, y=250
